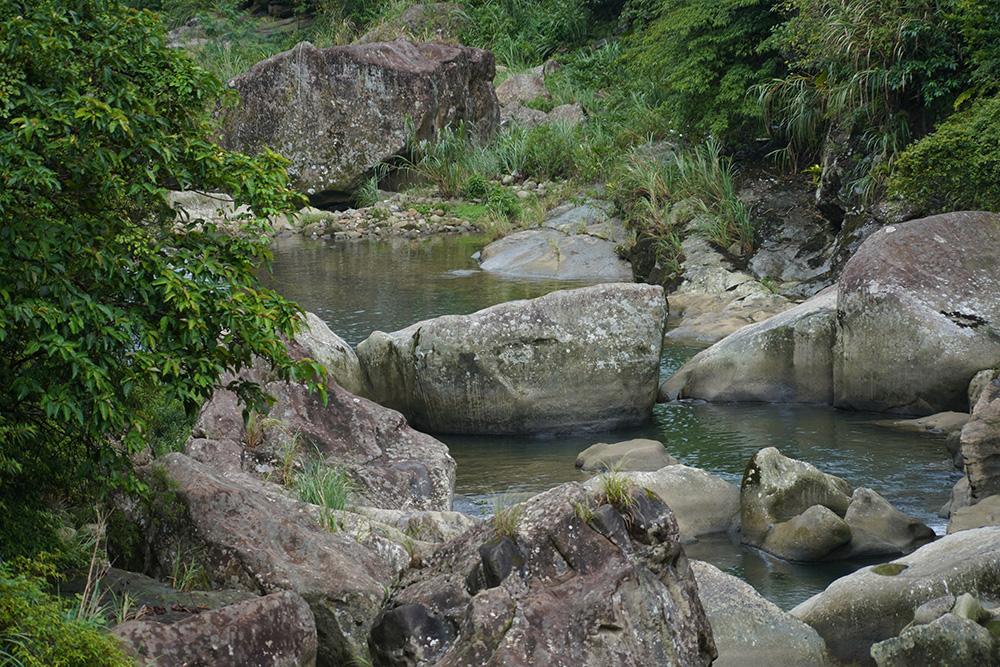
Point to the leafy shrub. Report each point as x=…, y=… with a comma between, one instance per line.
x=957, y=167
x=502, y=202
x=37, y=629
x=475, y=186
x=550, y=151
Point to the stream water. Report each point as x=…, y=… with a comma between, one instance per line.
x=359, y=287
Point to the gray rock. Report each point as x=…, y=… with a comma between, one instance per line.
x=549, y=253
x=516, y=113
x=356, y=106
x=948, y=640
x=276, y=630
x=424, y=526
x=777, y=489
x=933, y=609
x=877, y=602
x=919, y=315
x=959, y=498
x=553, y=590
x=628, y=455
x=245, y=535
x=980, y=441
x=984, y=513
x=979, y=383
x=703, y=504
x=787, y=358
x=879, y=529
x=573, y=360
x=522, y=88
x=750, y=631
x=567, y=114
x=333, y=352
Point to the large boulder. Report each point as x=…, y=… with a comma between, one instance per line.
x=276, y=630
x=948, y=640
x=919, y=315
x=243, y=534
x=793, y=510
x=393, y=466
x=336, y=355
x=750, y=631
x=575, y=360
x=877, y=602
x=338, y=112
x=787, y=358
x=521, y=88
x=569, y=582
x=552, y=253
x=702, y=503
x=980, y=443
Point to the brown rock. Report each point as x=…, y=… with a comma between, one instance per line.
x=980, y=441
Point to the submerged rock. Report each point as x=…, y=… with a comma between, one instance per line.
x=567, y=582
x=877, y=602
x=573, y=360
x=338, y=112
x=919, y=315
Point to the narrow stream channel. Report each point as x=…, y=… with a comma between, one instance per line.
x=359, y=287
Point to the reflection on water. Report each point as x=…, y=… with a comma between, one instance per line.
x=360, y=287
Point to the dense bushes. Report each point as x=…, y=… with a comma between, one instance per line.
x=957, y=167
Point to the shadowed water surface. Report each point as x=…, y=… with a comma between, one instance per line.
x=359, y=287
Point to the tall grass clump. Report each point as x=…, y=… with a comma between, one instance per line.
x=328, y=486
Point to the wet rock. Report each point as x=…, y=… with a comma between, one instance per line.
x=628, y=455
x=787, y=358
x=356, y=106
x=750, y=631
x=573, y=360
x=549, y=253
x=918, y=314
x=276, y=630
x=561, y=592
x=980, y=442
x=877, y=602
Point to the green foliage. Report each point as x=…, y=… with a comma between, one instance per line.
x=550, y=151
x=475, y=186
x=957, y=167
x=524, y=32
x=100, y=295
x=506, y=512
x=616, y=490
x=702, y=56
x=329, y=486
x=37, y=629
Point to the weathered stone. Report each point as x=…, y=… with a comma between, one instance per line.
x=562, y=592
x=919, y=315
x=516, y=113
x=702, y=503
x=980, y=441
x=787, y=358
x=338, y=112
x=247, y=535
x=879, y=529
x=949, y=640
x=984, y=513
x=866, y=607
x=425, y=526
x=522, y=88
x=567, y=114
x=810, y=536
x=776, y=489
x=638, y=454
x=333, y=352
x=750, y=631
x=573, y=360
x=979, y=382
x=933, y=609
x=276, y=630
x=549, y=253
x=959, y=498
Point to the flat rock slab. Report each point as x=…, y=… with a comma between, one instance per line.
x=551, y=253
x=571, y=361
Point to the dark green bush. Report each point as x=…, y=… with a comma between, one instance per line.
x=550, y=152
x=38, y=629
x=957, y=167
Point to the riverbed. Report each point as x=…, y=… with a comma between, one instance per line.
x=358, y=287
